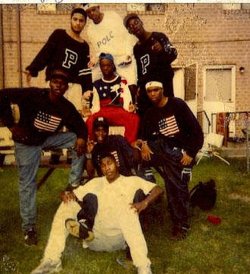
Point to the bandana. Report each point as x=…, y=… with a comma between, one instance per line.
x=153, y=84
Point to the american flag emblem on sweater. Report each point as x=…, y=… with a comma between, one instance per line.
x=46, y=122
x=168, y=126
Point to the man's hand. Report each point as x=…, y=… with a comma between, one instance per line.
x=157, y=47
x=92, y=62
x=67, y=196
x=137, y=144
x=80, y=146
x=146, y=152
x=90, y=146
x=186, y=159
x=126, y=62
x=132, y=107
x=139, y=207
x=19, y=133
x=86, y=112
x=87, y=95
x=28, y=77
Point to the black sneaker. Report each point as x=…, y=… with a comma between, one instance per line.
x=79, y=229
x=179, y=233
x=30, y=237
x=54, y=159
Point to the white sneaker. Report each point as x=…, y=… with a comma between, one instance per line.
x=84, y=244
x=144, y=270
x=47, y=267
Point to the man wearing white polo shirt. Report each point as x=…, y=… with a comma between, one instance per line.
x=105, y=214
x=106, y=33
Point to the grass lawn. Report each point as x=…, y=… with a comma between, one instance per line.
x=209, y=248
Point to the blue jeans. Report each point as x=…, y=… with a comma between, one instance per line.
x=28, y=160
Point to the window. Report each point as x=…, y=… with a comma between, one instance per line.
x=151, y=8
x=219, y=83
x=235, y=7
x=230, y=6
x=58, y=8
x=46, y=8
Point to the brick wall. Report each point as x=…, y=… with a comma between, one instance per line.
x=203, y=34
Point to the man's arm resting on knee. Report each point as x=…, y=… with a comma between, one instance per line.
x=150, y=198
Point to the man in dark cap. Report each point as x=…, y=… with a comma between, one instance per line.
x=68, y=50
x=115, y=144
x=43, y=112
x=128, y=158
x=154, y=54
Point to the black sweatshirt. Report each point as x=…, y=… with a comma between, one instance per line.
x=176, y=124
x=39, y=116
x=62, y=51
x=152, y=64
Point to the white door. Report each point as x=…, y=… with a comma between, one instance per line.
x=219, y=92
x=184, y=83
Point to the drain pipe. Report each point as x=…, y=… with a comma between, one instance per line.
x=19, y=46
x=1, y=50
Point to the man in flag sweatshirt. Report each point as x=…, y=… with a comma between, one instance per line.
x=171, y=137
x=43, y=112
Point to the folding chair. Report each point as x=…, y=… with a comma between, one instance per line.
x=212, y=143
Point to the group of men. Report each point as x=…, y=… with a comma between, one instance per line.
x=167, y=134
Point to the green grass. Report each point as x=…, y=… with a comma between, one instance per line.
x=209, y=248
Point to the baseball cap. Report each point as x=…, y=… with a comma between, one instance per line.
x=60, y=73
x=128, y=17
x=106, y=56
x=89, y=5
x=101, y=122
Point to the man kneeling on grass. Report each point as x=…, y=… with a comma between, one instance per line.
x=105, y=214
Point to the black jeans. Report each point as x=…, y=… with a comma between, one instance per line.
x=176, y=178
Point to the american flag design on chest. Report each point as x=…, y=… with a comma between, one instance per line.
x=46, y=122
x=168, y=126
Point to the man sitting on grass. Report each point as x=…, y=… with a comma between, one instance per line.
x=104, y=214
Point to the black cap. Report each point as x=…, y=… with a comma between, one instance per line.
x=101, y=122
x=60, y=73
x=128, y=17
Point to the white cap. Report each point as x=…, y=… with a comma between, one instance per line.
x=90, y=5
x=153, y=84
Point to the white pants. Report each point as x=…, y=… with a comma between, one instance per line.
x=130, y=232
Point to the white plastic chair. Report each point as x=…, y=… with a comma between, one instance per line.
x=212, y=143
